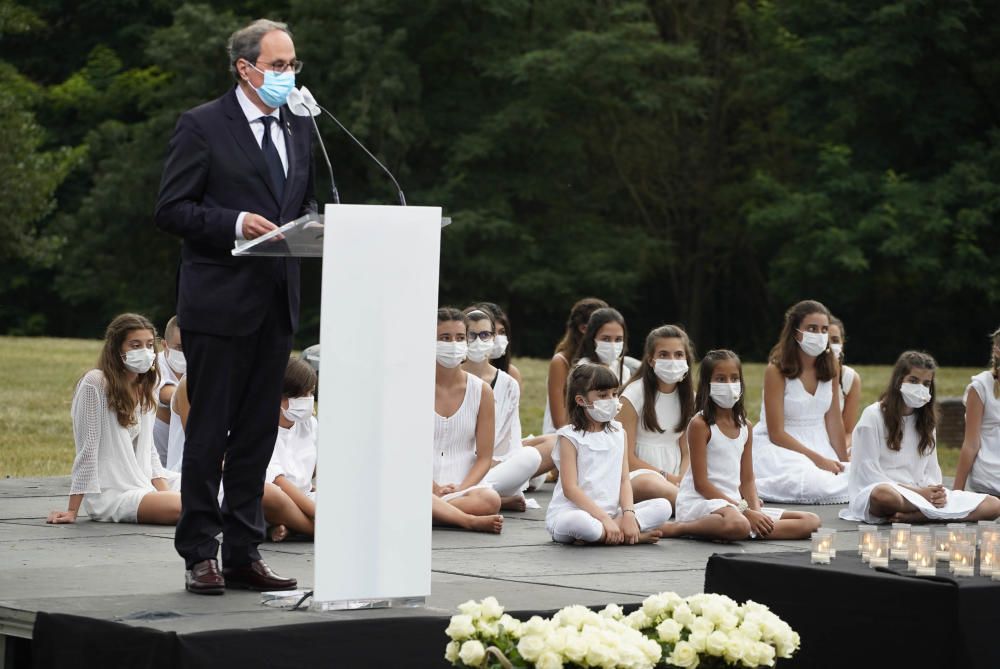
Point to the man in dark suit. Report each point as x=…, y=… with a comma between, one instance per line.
x=237, y=167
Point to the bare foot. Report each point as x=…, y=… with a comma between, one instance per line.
x=513, y=503
x=277, y=533
x=650, y=537
x=489, y=524
x=669, y=530
x=553, y=476
x=908, y=517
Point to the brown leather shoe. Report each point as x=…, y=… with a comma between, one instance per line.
x=204, y=579
x=256, y=576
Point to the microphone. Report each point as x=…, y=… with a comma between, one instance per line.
x=300, y=105
x=309, y=106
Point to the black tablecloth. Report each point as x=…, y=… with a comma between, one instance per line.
x=849, y=614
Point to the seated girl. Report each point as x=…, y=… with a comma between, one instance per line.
x=718, y=497
x=604, y=343
x=895, y=475
x=800, y=452
x=592, y=502
x=562, y=362
x=463, y=435
x=117, y=475
x=979, y=463
x=656, y=406
x=500, y=356
x=513, y=464
x=850, y=380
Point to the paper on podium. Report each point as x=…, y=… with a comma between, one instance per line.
x=303, y=238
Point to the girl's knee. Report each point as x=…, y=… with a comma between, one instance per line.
x=487, y=501
x=736, y=528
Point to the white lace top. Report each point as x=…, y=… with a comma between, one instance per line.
x=507, y=398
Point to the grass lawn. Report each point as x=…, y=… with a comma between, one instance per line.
x=39, y=375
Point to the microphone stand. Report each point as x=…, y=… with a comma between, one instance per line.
x=399, y=191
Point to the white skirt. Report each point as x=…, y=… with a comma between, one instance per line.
x=960, y=504
x=784, y=475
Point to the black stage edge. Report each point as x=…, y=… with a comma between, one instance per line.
x=849, y=615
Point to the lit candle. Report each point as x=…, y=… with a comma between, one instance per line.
x=986, y=557
x=982, y=527
x=820, y=548
x=880, y=551
x=920, y=544
x=994, y=551
x=866, y=538
x=941, y=544
x=956, y=555
x=967, y=560
x=900, y=541
x=926, y=565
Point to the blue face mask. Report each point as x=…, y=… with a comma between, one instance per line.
x=277, y=85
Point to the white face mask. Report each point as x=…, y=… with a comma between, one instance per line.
x=602, y=411
x=450, y=354
x=177, y=361
x=837, y=349
x=609, y=352
x=726, y=395
x=299, y=408
x=915, y=395
x=139, y=360
x=671, y=371
x=478, y=350
x=499, y=346
x=813, y=343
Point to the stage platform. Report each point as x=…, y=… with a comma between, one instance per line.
x=118, y=577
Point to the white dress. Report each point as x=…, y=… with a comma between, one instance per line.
x=846, y=381
x=985, y=474
x=723, y=455
x=114, y=465
x=662, y=450
x=599, y=457
x=784, y=475
x=294, y=455
x=161, y=429
x=626, y=371
x=507, y=399
x=874, y=464
x=175, y=442
x=455, y=436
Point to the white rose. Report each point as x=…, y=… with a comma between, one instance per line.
x=511, y=625
x=576, y=645
x=716, y=642
x=613, y=611
x=571, y=616
x=451, y=651
x=492, y=608
x=684, y=656
x=489, y=628
x=460, y=627
x=683, y=615
x=786, y=644
x=531, y=647
x=751, y=630
x=669, y=631
x=549, y=660
x=765, y=654
x=472, y=653
x=698, y=641
x=702, y=626
x=638, y=620
x=601, y=655
x=535, y=626
x=651, y=606
x=652, y=650
x=471, y=608
x=728, y=622
x=735, y=648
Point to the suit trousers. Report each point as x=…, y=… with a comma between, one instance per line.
x=234, y=388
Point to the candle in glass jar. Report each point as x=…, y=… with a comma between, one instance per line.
x=820, y=548
x=900, y=537
x=920, y=545
x=925, y=565
x=967, y=560
x=879, y=556
x=942, y=544
x=866, y=538
x=982, y=527
x=831, y=540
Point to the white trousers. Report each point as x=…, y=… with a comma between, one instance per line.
x=511, y=476
x=578, y=525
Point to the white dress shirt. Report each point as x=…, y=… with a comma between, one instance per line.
x=254, y=116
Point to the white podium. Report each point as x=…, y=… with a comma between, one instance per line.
x=376, y=409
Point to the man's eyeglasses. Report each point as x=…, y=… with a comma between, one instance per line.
x=281, y=66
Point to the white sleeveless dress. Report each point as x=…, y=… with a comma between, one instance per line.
x=660, y=449
x=786, y=476
x=985, y=474
x=846, y=381
x=455, y=436
x=723, y=462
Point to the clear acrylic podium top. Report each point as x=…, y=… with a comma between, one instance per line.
x=301, y=238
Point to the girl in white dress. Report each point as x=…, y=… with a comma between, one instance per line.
x=592, y=502
x=513, y=464
x=605, y=343
x=850, y=380
x=895, y=474
x=117, y=475
x=800, y=453
x=561, y=363
x=979, y=462
x=717, y=497
x=463, y=435
x=172, y=365
x=500, y=356
x=657, y=405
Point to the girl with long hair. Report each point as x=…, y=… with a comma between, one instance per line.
x=561, y=362
x=605, y=342
x=500, y=356
x=117, y=475
x=850, y=380
x=718, y=498
x=979, y=463
x=895, y=475
x=800, y=453
x=657, y=404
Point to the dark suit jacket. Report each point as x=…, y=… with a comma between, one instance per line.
x=215, y=170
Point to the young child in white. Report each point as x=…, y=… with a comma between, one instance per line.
x=718, y=496
x=592, y=501
x=979, y=463
x=895, y=475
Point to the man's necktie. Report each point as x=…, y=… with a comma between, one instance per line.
x=272, y=158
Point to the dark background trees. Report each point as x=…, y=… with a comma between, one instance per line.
x=702, y=162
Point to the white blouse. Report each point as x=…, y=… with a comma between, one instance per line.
x=626, y=371
x=985, y=474
x=660, y=449
x=294, y=454
x=872, y=462
x=507, y=398
x=599, y=461
x=455, y=436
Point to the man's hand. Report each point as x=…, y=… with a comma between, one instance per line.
x=254, y=226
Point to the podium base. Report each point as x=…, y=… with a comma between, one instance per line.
x=355, y=604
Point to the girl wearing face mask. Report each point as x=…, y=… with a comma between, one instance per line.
x=513, y=464
x=117, y=475
x=801, y=450
x=718, y=498
x=562, y=362
x=592, y=502
x=657, y=405
x=171, y=364
x=289, y=498
x=895, y=475
x=604, y=343
x=979, y=463
x=464, y=427
x=850, y=380
x=500, y=355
